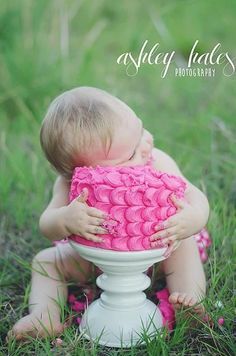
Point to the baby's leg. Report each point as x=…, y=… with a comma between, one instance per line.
x=185, y=276
x=51, y=269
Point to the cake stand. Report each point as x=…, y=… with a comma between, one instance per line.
x=123, y=313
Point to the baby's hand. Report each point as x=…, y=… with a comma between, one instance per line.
x=177, y=227
x=80, y=219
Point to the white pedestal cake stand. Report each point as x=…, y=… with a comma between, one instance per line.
x=122, y=313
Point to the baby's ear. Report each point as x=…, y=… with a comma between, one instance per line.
x=82, y=198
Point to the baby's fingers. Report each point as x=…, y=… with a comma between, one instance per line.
x=96, y=230
x=163, y=234
x=169, y=250
x=83, y=196
x=95, y=221
x=179, y=204
x=96, y=213
x=170, y=239
x=91, y=237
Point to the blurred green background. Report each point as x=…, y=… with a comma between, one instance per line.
x=47, y=47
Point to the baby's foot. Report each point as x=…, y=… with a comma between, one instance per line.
x=180, y=300
x=37, y=325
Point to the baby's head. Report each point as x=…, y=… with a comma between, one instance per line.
x=88, y=127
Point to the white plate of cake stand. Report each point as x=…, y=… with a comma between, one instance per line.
x=122, y=313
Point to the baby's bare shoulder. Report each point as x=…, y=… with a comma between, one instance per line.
x=60, y=194
x=61, y=185
x=163, y=162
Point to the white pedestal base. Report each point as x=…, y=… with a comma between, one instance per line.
x=122, y=313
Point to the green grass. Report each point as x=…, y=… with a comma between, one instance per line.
x=192, y=119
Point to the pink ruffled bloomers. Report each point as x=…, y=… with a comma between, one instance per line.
x=135, y=198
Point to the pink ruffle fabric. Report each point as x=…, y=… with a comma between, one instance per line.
x=203, y=241
x=166, y=308
x=135, y=199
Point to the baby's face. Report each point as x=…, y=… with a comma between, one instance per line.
x=131, y=144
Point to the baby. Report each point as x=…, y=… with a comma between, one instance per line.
x=89, y=127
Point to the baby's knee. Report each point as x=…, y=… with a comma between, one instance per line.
x=65, y=261
x=43, y=259
x=74, y=266
x=46, y=255
x=51, y=261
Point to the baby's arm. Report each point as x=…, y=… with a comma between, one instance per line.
x=192, y=215
x=61, y=218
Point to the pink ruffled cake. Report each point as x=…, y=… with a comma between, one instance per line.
x=135, y=198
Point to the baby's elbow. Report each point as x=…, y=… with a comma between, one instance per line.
x=43, y=225
x=206, y=208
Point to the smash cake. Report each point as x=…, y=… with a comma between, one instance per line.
x=134, y=198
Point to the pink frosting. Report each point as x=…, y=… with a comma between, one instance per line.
x=135, y=199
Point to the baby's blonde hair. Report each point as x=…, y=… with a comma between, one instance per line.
x=74, y=123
